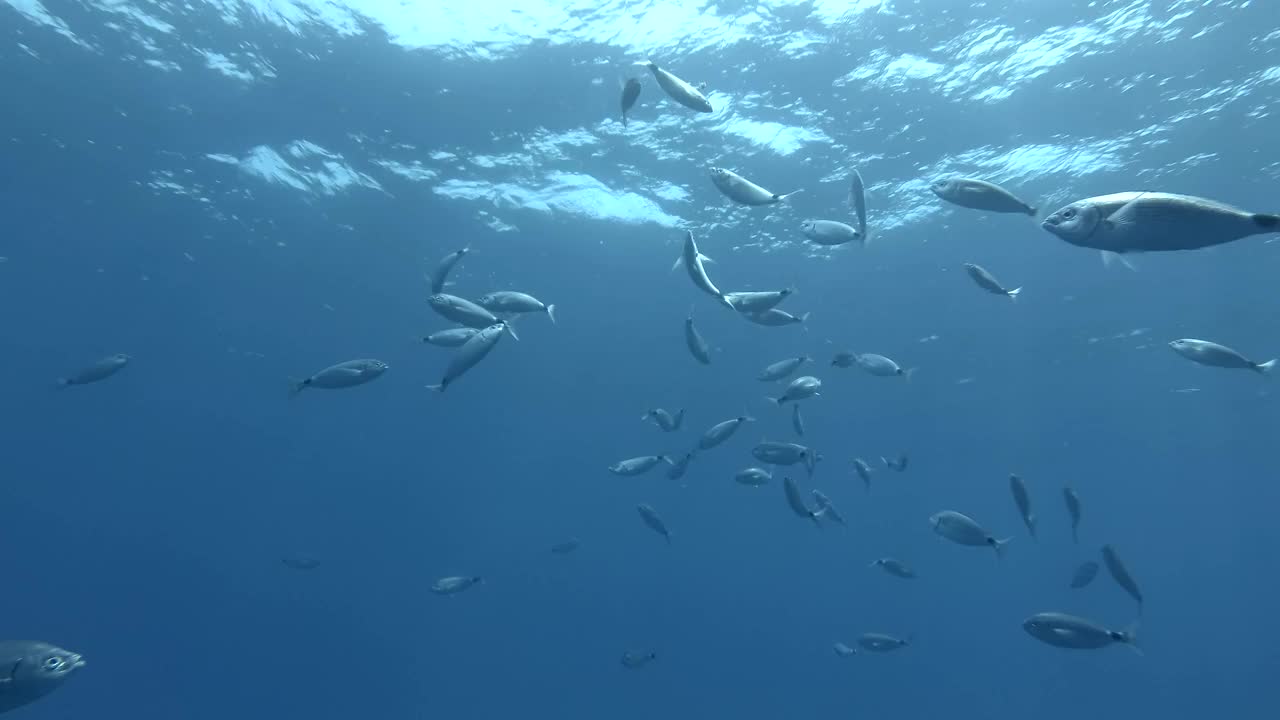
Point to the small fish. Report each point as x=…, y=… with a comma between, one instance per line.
x=637, y=660
x=801, y=388
x=453, y=337
x=899, y=465
x=830, y=232
x=753, y=476
x=665, y=420
x=101, y=370
x=755, y=302
x=858, y=201
x=454, y=585
x=1021, y=498
x=1121, y=575
x=782, y=368
x=881, y=366
x=638, y=465
x=565, y=547
x=844, y=359
x=300, y=562
x=988, y=282
x=879, y=642
x=1215, y=355
x=343, y=375
x=780, y=453
x=1068, y=631
x=697, y=345
x=743, y=191
x=465, y=312
x=775, y=318
x=33, y=669
x=630, y=93
x=679, y=90
x=795, y=500
x=962, y=530
x=1072, y=501
x=692, y=260
x=843, y=650
x=825, y=508
x=1084, y=574
x=979, y=195
x=470, y=354
x=650, y=518
x=681, y=466
x=895, y=568
x=515, y=303
x=722, y=431
x=861, y=467
x=444, y=267
x=797, y=422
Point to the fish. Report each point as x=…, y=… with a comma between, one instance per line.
x=780, y=453
x=441, y=272
x=470, y=354
x=638, y=465
x=1072, y=500
x=756, y=302
x=775, y=318
x=453, y=337
x=881, y=366
x=722, y=431
x=565, y=547
x=899, y=465
x=844, y=359
x=895, y=568
x=1084, y=574
x=1139, y=222
x=843, y=650
x=515, y=303
x=979, y=195
x=1215, y=355
x=679, y=90
x=879, y=642
x=1121, y=574
x=963, y=530
x=343, y=375
x=637, y=660
x=455, y=584
x=830, y=232
x=1018, y=487
x=825, y=508
x=988, y=282
x=465, y=312
x=665, y=420
x=30, y=670
x=863, y=470
x=801, y=388
x=650, y=518
x=797, y=422
x=753, y=476
x=692, y=259
x=630, y=93
x=782, y=368
x=743, y=191
x=100, y=370
x=300, y=562
x=697, y=345
x=681, y=466
x=858, y=201
x=796, y=501
x=1068, y=631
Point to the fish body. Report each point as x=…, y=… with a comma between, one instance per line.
x=470, y=354
x=843, y=650
x=100, y=370
x=693, y=261
x=844, y=359
x=1120, y=573
x=1022, y=499
x=630, y=93
x=1215, y=355
x=988, y=282
x=441, y=272
x=300, y=562
x=1084, y=574
x=1076, y=633
x=782, y=368
x=454, y=585
x=637, y=660
x=637, y=465
x=1072, y=501
x=898, y=465
x=780, y=453
x=797, y=421
x=895, y=568
x=743, y=191
x=30, y=670
x=565, y=547
x=863, y=470
x=825, y=508
x=464, y=312
x=775, y=318
x=453, y=337
x=722, y=431
x=858, y=201
x=694, y=341
x=753, y=476
x=1135, y=222
x=880, y=366
x=756, y=302
x=650, y=518
x=665, y=420
x=679, y=90
x=343, y=375
x=963, y=530
x=801, y=388
x=879, y=642
x=515, y=303
x=979, y=195
x=830, y=232
x=795, y=500
x=680, y=466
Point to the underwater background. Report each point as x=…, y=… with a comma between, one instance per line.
x=236, y=193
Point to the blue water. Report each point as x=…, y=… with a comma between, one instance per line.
x=239, y=193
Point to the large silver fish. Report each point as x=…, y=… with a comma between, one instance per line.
x=472, y=352
x=693, y=261
x=1068, y=631
x=29, y=670
x=979, y=195
x=679, y=90
x=1215, y=355
x=743, y=191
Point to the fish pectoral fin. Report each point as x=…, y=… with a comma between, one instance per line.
x=1109, y=258
x=705, y=259
x=1125, y=216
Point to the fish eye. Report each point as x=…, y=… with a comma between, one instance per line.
x=52, y=663
x=1069, y=213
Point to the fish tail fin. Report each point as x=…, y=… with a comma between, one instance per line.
x=1130, y=636
x=1266, y=367
x=776, y=400
x=508, y=325
x=437, y=388
x=679, y=261
x=908, y=373
x=1032, y=522
x=296, y=386
x=1110, y=258
x=1014, y=293
x=725, y=301
x=999, y=545
x=1264, y=220
x=784, y=196
x=551, y=313
x=1031, y=211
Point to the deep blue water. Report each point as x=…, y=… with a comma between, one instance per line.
x=145, y=518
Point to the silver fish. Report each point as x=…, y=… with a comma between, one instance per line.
x=1084, y=574
x=844, y=359
x=775, y=318
x=454, y=585
x=301, y=562
x=898, y=465
x=797, y=422
x=681, y=466
x=826, y=508
x=830, y=232
x=988, y=282
x=693, y=261
x=465, y=312
x=1068, y=631
x=843, y=650
x=444, y=267
x=796, y=502
x=879, y=642
x=1121, y=574
x=780, y=453
x=755, y=477
x=637, y=660
x=697, y=345
x=861, y=467
x=665, y=420
x=650, y=518
x=979, y=195
x=343, y=375
x=100, y=370
x=743, y=191
x=761, y=301
x=471, y=353
x=630, y=93
x=638, y=465
x=881, y=366
x=895, y=568
x=30, y=670
x=565, y=547
x=1215, y=355
x=453, y=337
x=782, y=368
x=515, y=303
x=679, y=90
x=722, y=431
x=858, y=201
x=961, y=529
x=1021, y=498
x=801, y=388
x=1072, y=500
